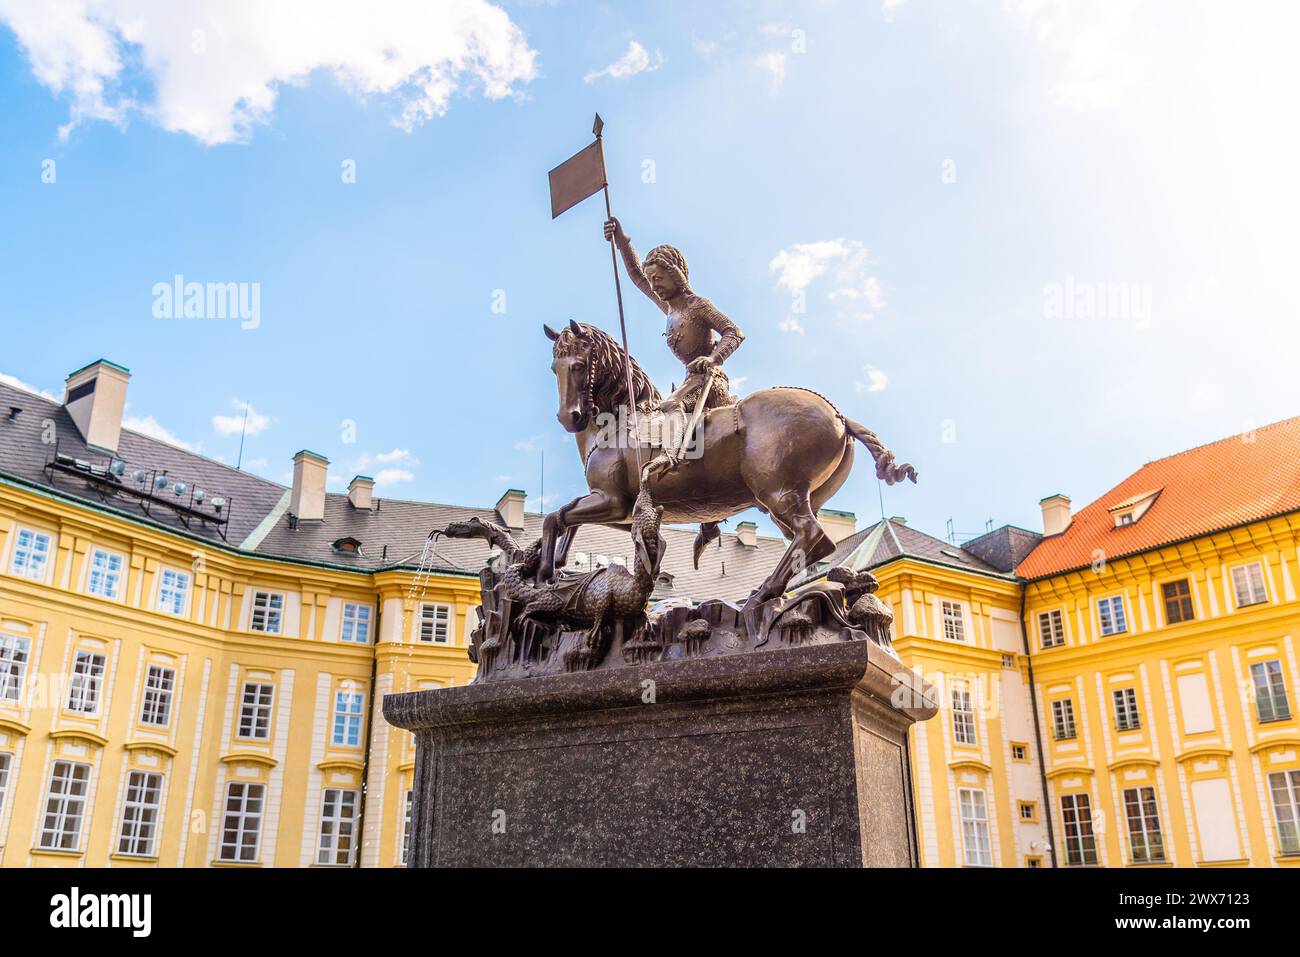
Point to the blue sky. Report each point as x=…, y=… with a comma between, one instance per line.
x=953, y=189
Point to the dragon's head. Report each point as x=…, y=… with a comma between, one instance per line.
x=646, y=517
x=474, y=528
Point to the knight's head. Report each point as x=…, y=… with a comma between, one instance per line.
x=666, y=271
x=571, y=362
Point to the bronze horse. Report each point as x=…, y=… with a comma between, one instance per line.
x=784, y=450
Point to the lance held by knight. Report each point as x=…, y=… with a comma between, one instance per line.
x=692, y=322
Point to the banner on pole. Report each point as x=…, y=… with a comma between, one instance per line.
x=580, y=176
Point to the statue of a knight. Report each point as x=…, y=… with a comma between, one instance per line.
x=692, y=321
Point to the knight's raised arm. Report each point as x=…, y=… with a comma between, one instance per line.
x=632, y=262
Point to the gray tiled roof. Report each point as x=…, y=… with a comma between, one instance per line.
x=391, y=535
x=890, y=539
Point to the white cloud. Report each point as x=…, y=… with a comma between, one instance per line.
x=877, y=381
x=791, y=324
x=529, y=444
x=20, y=384
x=216, y=69
x=148, y=425
x=636, y=60
x=773, y=64
x=889, y=8
x=396, y=457
x=705, y=48
x=234, y=424
x=1093, y=47
x=847, y=261
x=387, y=477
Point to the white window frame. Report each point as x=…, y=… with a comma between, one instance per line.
x=349, y=715
x=1284, y=790
x=15, y=656
x=356, y=623
x=1054, y=637
x=1127, y=716
x=239, y=820
x=1111, y=602
x=430, y=622
x=65, y=808
x=1063, y=719
x=87, y=681
x=266, y=613
x=963, y=716
x=6, y=766
x=1255, y=585
x=28, y=560
x=173, y=596
x=1078, y=844
x=141, y=814
x=1147, y=834
x=338, y=827
x=1274, y=688
x=406, y=827
x=977, y=850
x=104, y=578
x=255, y=714
x=159, y=689
x=952, y=618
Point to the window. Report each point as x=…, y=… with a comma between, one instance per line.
x=65, y=805
x=1063, y=719
x=954, y=627
x=1028, y=810
x=1124, y=518
x=173, y=587
x=1110, y=612
x=1144, y=839
x=241, y=829
x=13, y=666
x=255, y=711
x=1080, y=843
x=356, y=623
x=105, y=574
x=268, y=609
x=963, y=716
x=435, y=624
x=1051, y=629
x=1285, y=787
x=1126, y=709
x=1033, y=862
x=337, y=823
x=1270, y=691
x=1019, y=752
x=1178, y=601
x=406, y=829
x=974, y=828
x=1008, y=661
x=1248, y=583
x=158, y=684
x=87, y=677
x=347, y=719
x=140, y=814
x=31, y=554
x=6, y=762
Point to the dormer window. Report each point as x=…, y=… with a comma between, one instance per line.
x=347, y=546
x=1129, y=511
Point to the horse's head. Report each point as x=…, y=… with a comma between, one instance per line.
x=572, y=365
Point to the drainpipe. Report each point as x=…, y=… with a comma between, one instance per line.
x=370, y=737
x=1038, y=731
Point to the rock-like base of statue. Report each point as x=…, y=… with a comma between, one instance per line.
x=795, y=756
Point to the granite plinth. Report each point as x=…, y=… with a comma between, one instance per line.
x=791, y=757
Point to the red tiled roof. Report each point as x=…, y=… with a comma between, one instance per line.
x=1237, y=480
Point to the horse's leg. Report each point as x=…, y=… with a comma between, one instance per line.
x=809, y=542
x=595, y=508
x=562, y=546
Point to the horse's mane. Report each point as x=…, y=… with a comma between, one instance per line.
x=608, y=384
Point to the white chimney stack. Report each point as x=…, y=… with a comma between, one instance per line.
x=361, y=492
x=511, y=508
x=95, y=398
x=1056, y=514
x=747, y=534
x=839, y=525
x=307, y=502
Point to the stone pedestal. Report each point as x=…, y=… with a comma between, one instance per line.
x=791, y=757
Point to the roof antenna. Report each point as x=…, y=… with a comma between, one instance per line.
x=242, y=430
x=952, y=536
x=880, y=490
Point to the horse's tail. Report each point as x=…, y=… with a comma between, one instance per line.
x=885, y=467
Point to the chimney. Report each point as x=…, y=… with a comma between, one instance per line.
x=1056, y=514
x=839, y=525
x=511, y=508
x=361, y=492
x=307, y=503
x=747, y=534
x=898, y=519
x=95, y=398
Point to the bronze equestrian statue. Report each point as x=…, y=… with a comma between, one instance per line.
x=784, y=450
